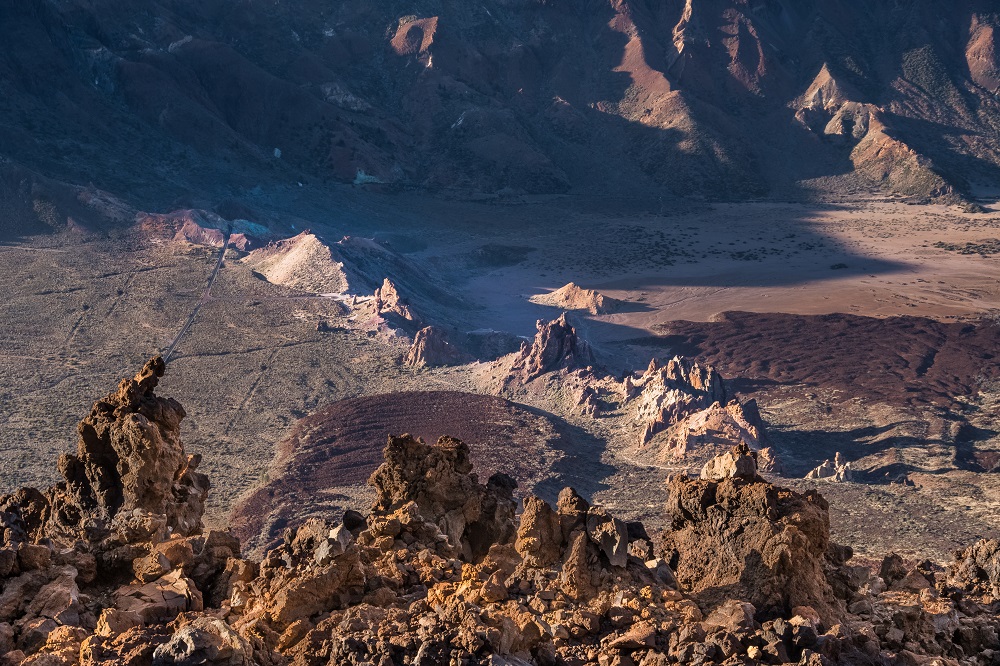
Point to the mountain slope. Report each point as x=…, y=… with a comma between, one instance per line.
x=723, y=98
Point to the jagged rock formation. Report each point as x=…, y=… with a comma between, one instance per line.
x=669, y=393
x=431, y=347
x=573, y=297
x=443, y=571
x=439, y=479
x=129, y=508
x=689, y=403
x=555, y=347
x=978, y=568
x=389, y=302
x=129, y=475
x=836, y=470
x=681, y=407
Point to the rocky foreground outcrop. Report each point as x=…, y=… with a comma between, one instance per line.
x=113, y=566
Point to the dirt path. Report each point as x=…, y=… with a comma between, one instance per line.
x=204, y=297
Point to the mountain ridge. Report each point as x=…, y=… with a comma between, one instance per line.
x=715, y=98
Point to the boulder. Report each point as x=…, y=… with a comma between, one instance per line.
x=977, y=568
x=162, y=600
x=208, y=641
x=539, y=534
x=609, y=533
x=734, y=535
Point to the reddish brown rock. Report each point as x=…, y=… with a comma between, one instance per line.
x=438, y=573
x=539, y=534
x=556, y=346
x=734, y=535
x=437, y=478
x=431, y=347
x=131, y=466
x=389, y=302
x=977, y=568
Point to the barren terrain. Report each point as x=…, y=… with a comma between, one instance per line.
x=78, y=309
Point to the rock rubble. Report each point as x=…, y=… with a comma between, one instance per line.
x=113, y=566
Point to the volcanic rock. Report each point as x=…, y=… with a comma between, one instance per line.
x=977, y=568
x=610, y=534
x=835, y=470
x=740, y=463
x=129, y=480
x=437, y=478
x=734, y=535
x=539, y=533
x=206, y=640
x=389, y=302
x=669, y=393
x=431, y=348
x=556, y=346
x=441, y=570
x=687, y=402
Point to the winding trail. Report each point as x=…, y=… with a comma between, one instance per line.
x=204, y=297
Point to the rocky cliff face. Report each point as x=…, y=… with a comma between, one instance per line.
x=113, y=566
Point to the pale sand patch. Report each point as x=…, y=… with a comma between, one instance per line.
x=876, y=259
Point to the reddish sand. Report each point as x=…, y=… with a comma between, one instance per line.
x=904, y=361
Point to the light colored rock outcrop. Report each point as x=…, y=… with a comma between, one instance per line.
x=389, y=302
x=574, y=297
x=683, y=407
x=836, y=470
